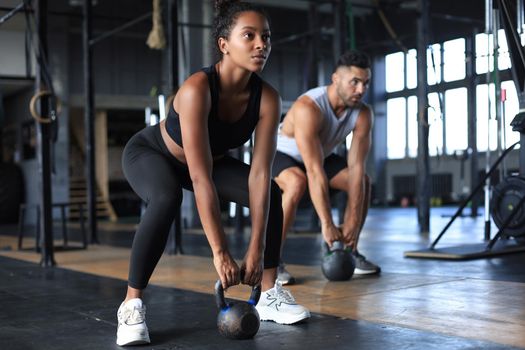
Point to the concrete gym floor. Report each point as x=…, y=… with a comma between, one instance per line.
x=413, y=304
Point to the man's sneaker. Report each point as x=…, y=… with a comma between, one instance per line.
x=278, y=305
x=363, y=266
x=132, y=329
x=283, y=275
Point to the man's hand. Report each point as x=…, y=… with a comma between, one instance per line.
x=351, y=241
x=331, y=233
x=350, y=238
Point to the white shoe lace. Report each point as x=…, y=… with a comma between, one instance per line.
x=283, y=295
x=134, y=316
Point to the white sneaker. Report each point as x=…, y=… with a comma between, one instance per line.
x=132, y=329
x=364, y=266
x=278, y=305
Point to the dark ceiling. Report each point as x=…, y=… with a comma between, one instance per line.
x=449, y=19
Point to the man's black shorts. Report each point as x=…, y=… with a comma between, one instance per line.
x=333, y=164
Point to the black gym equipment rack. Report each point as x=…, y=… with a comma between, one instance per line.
x=508, y=209
x=36, y=16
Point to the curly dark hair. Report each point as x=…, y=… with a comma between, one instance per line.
x=353, y=58
x=226, y=14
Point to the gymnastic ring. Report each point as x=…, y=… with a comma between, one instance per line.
x=32, y=106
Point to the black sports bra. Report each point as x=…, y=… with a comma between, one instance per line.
x=223, y=136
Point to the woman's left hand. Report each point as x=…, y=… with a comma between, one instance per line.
x=252, y=268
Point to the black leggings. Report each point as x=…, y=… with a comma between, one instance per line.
x=158, y=178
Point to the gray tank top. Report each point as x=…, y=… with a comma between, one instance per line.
x=333, y=131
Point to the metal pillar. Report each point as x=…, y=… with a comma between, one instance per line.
x=171, y=65
x=172, y=49
x=44, y=142
x=89, y=124
x=488, y=30
x=519, y=16
x=351, y=26
x=497, y=88
x=517, y=55
x=442, y=97
x=339, y=10
x=2, y=118
x=379, y=145
x=472, y=119
x=311, y=76
x=423, y=172
x=522, y=154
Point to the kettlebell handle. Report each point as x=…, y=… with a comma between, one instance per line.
x=221, y=302
x=336, y=245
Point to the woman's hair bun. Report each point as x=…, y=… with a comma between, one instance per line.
x=220, y=5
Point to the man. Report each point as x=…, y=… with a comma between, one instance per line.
x=315, y=125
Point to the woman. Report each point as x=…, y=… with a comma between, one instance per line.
x=215, y=110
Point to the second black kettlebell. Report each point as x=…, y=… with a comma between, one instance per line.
x=337, y=263
x=237, y=319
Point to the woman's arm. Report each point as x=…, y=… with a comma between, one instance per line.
x=259, y=181
x=193, y=101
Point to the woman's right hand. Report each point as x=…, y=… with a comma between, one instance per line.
x=227, y=268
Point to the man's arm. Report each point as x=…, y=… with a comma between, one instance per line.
x=307, y=121
x=357, y=155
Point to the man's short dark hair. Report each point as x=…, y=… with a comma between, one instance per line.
x=353, y=58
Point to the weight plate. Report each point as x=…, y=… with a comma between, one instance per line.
x=505, y=197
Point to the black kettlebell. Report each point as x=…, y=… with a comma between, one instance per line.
x=337, y=262
x=238, y=319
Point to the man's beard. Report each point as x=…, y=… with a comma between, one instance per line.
x=353, y=103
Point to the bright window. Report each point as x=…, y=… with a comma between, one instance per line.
x=483, y=61
x=511, y=109
x=434, y=64
x=456, y=119
x=395, y=71
x=503, y=51
x=483, y=125
x=396, y=127
x=448, y=111
x=412, y=126
x=411, y=69
x=435, y=122
x=484, y=52
x=454, y=67
x=349, y=140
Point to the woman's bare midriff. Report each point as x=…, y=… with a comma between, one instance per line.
x=175, y=150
